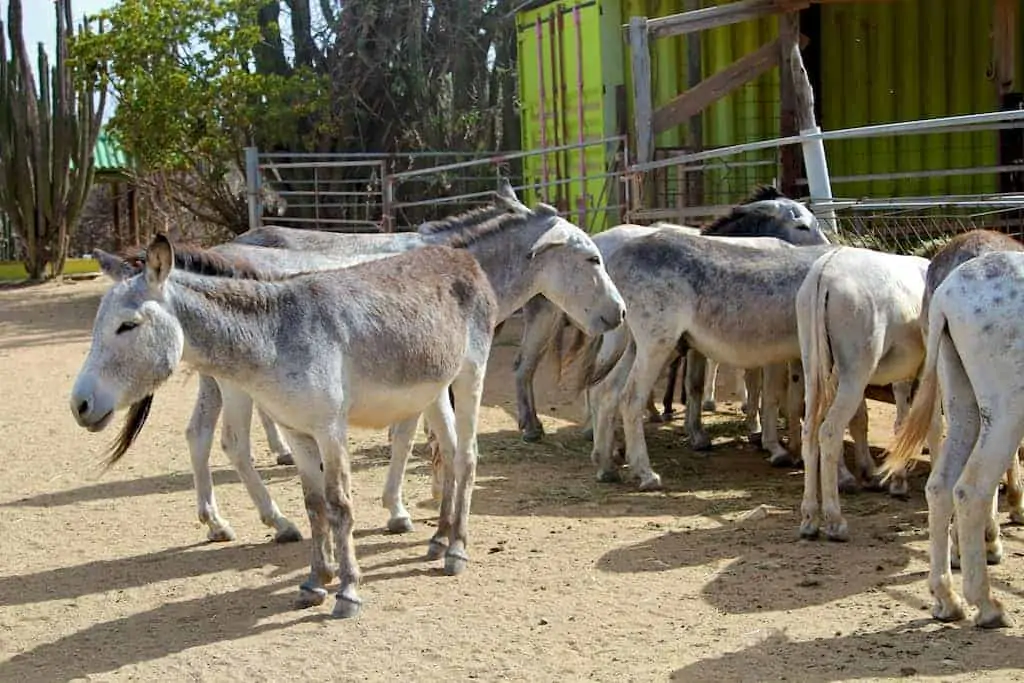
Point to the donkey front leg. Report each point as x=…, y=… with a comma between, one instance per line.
x=277, y=445
x=469, y=387
x=235, y=442
x=1015, y=489
x=340, y=517
x=696, y=368
x=752, y=380
x=604, y=400
x=775, y=380
x=541, y=323
x=710, y=382
x=199, y=435
x=647, y=366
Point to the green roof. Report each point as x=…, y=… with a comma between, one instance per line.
x=108, y=157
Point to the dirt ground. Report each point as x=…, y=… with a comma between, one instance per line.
x=107, y=576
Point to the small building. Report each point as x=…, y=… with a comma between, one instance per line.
x=868, y=62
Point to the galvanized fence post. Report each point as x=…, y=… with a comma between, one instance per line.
x=387, y=197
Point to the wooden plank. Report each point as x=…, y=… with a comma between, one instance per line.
x=713, y=88
x=1006, y=15
x=643, y=101
x=720, y=15
x=790, y=157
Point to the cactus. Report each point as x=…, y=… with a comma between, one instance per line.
x=48, y=133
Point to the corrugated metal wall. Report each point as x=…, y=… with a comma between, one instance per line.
x=901, y=61
x=557, y=84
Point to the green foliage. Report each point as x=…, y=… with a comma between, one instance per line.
x=184, y=73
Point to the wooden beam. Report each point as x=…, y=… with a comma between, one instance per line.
x=1005, y=22
x=803, y=93
x=713, y=88
x=643, y=101
x=790, y=157
x=720, y=15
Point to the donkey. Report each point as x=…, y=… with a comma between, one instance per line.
x=730, y=302
x=379, y=344
x=957, y=251
x=524, y=252
x=858, y=319
x=972, y=363
x=766, y=213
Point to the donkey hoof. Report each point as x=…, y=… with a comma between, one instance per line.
x=608, y=477
x=997, y=618
x=346, y=606
x=285, y=459
x=587, y=433
x=455, y=563
x=650, y=482
x=700, y=442
x=221, y=534
x=288, y=534
x=709, y=406
x=310, y=596
x=848, y=485
x=400, y=525
x=899, y=490
x=754, y=438
x=994, y=556
x=781, y=460
x=436, y=548
x=809, y=531
x=947, y=613
x=838, y=532
x=533, y=435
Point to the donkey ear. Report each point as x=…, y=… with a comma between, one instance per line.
x=112, y=266
x=159, y=260
x=554, y=237
x=505, y=190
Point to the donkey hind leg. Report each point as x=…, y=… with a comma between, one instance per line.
x=753, y=381
x=402, y=435
x=864, y=465
x=234, y=434
x=973, y=495
x=1015, y=489
x=337, y=478
x=845, y=406
x=696, y=369
x=308, y=462
x=469, y=386
x=673, y=375
x=199, y=435
x=993, y=537
x=794, y=410
x=541, y=322
x=710, y=379
x=647, y=366
x=274, y=439
x=901, y=391
x=947, y=464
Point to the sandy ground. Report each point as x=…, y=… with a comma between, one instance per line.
x=108, y=576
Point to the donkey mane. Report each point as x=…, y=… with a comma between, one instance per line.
x=743, y=214
x=461, y=221
x=195, y=259
x=468, y=228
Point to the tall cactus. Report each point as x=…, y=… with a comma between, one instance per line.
x=48, y=133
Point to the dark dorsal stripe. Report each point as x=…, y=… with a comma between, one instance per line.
x=194, y=259
x=744, y=220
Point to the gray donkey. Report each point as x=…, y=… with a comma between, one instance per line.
x=370, y=345
x=730, y=302
x=766, y=213
x=523, y=251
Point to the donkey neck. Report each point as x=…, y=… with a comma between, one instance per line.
x=230, y=325
x=504, y=257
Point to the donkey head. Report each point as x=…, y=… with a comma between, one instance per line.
x=769, y=213
x=136, y=344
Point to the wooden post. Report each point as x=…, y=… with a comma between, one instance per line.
x=133, y=213
x=818, y=184
x=1005, y=20
x=115, y=195
x=695, y=137
x=790, y=156
x=643, y=101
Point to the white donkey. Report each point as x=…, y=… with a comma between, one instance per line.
x=858, y=316
x=371, y=345
x=974, y=363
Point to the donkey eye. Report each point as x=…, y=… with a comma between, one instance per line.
x=126, y=327
x=594, y=259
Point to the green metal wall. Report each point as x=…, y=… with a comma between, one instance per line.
x=900, y=61
x=602, y=53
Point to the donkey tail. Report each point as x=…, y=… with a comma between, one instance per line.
x=578, y=368
x=819, y=361
x=915, y=427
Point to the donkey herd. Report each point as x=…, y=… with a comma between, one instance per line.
x=320, y=331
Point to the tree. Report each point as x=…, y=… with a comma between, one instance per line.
x=48, y=130
x=198, y=80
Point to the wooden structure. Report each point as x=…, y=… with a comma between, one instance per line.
x=113, y=167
